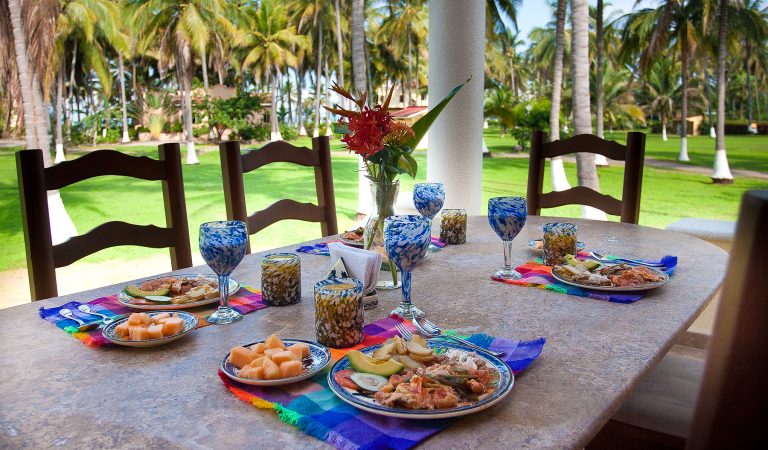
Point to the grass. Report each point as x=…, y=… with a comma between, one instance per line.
x=747, y=152
x=667, y=196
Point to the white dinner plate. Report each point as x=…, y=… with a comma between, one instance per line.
x=644, y=287
x=190, y=322
x=126, y=299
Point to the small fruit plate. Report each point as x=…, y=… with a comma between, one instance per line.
x=318, y=358
x=190, y=322
x=140, y=303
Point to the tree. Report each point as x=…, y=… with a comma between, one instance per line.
x=658, y=90
x=721, y=172
x=559, y=181
x=269, y=47
x=586, y=171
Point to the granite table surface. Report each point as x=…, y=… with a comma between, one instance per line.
x=55, y=391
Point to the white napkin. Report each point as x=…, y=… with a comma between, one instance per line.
x=363, y=265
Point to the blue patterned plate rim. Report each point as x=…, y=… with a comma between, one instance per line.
x=190, y=322
x=318, y=359
x=125, y=299
x=506, y=381
x=533, y=246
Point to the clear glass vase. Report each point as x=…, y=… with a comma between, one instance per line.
x=384, y=196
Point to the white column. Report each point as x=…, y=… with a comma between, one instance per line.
x=456, y=51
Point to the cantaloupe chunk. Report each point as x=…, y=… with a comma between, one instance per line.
x=252, y=373
x=271, y=370
x=155, y=331
x=122, y=329
x=136, y=319
x=173, y=325
x=146, y=319
x=241, y=356
x=271, y=351
x=304, y=348
x=258, y=362
x=138, y=333
x=274, y=342
x=259, y=348
x=157, y=317
x=290, y=368
x=281, y=357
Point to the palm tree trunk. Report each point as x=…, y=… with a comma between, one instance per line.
x=559, y=180
x=683, y=156
x=59, y=112
x=318, y=68
x=340, y=75
x=299, y=105
x=184, y=80
x=121, y=77
x=410, y=70
x=721, y=172
x=358, y=45
x=204, y=61
x=600, y=160
x=275, y=132
x=70, y=96
x=749, y=86
x=582, y=119
x=328, y=129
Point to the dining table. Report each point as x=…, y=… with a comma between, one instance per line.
x=55, y=391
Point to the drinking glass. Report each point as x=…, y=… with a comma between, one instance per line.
x=428, y=198
x=507, y=217
x=406, y=239
x=222, y=245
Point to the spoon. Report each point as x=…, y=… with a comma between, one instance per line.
x=106, y=320
x=603, y=259
x=83, y=326
x=429, y=329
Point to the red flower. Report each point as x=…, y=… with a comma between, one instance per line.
x=367, y=130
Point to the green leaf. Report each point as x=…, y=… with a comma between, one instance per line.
x=422, y=125
x=340, y=128
x=408, y=164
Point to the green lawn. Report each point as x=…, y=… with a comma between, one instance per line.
x=744, y=152
x=667, y=196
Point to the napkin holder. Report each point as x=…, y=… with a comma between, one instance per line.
x=339, y=270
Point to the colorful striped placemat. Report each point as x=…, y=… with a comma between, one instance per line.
x=314, y=409
x=244, y=301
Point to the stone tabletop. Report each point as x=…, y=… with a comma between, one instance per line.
x=55, y=391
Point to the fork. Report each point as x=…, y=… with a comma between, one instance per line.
x=404, y=333
x=601, y=258
x=429, y=329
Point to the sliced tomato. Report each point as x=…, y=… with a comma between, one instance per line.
x=343, y=378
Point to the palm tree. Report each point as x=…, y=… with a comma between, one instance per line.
x=174, y=28
x=582, y=119
x=721, y=172
x=270, y=45
x=404, y=30
x=358, y=44
x=559, y=181
x=658, y=92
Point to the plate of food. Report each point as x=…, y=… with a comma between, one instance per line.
x=150, y=329
x=420, y=380
x=275, y=361
x=174, y=292
x=537, y=245
x=353, y=237
x=590, y=274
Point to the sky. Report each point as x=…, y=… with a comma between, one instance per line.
x=536, y=13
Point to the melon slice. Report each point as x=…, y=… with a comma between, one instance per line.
x=138, y=333
x=258, y=362
x=122, y=329
x=290, y=368
x=274, y=342
x=271, y=351
x=136, y=319
x=241, y=356
x=157, y=317
x=155, y=331
x=281, y=357
x=173, y=325
x=271, y=370
x=303, y=348
x=259, y=348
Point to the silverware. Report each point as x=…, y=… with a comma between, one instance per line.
x=404, y=333
x=600, y=258
x=429, y=329
x=67, y=313
x=106, y=320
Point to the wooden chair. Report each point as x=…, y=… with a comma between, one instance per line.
x=632, y=154
x=234, y=165
x=663, y=412
x=35, y=181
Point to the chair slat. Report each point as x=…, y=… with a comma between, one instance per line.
x=103, y=162
x=111, y=234
x=585, y=143
x=283, y=210
x=583, y=196
x=279, y=151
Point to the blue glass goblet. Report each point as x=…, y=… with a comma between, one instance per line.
x=406, y=239
x=222, y=245
x=428, y=198
x=507, y=217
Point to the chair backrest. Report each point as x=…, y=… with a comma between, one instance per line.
x=632, y=154
x=35, y=181
x=731, y=410
x=234, y=165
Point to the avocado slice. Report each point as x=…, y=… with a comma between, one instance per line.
x=134, y=291
x=363, y=363
x=590, y=264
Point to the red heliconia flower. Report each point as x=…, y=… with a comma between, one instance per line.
x=367, y=130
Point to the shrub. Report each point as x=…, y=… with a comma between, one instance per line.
x=201, y=132
x=288, y=132
x=113, y=136
x=253, y=132
x=176, y=127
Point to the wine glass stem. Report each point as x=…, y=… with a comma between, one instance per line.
x=223, y=291
x=507, y=255
x=406, y=304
